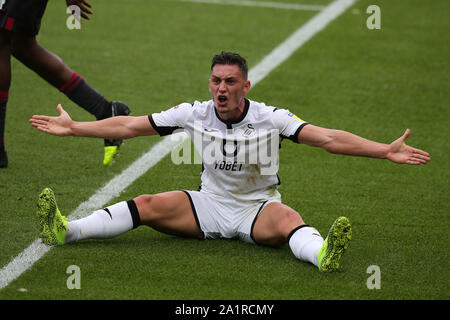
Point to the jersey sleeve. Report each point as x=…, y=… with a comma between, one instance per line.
x=288, y=124
x=166, y=122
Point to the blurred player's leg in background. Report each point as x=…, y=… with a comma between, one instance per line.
x=53, y=69
x=5, y=81
x=20, y=22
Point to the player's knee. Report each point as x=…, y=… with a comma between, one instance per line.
x=144, y=206
x=288, y=220
x=27, y=50
x=148, y=206
x=277, y=234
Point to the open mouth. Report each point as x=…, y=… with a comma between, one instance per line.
x=222, y=99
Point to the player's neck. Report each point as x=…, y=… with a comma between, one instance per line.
x=233, y=114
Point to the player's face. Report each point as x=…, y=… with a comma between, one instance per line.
x=228, y=89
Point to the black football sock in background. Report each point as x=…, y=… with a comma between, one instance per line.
x=80, y=92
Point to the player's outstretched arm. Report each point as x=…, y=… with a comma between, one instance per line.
x=120, y=127
x=342, y=142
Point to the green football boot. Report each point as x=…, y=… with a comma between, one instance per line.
x=110, y=153
x=114, y=109
x=53, y=224
x=334, y=246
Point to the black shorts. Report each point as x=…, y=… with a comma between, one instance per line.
x=22, y=16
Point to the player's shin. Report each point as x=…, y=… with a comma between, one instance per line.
x=105, y=223
x=305, y=243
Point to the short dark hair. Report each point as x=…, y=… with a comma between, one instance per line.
x=231, y=58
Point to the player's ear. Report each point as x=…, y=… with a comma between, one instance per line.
x=247, y=86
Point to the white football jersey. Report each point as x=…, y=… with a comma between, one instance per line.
x=239, y=158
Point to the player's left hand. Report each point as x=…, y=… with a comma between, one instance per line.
x=84, y=7
x=400, y=152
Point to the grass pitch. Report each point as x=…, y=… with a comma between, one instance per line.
x=156, y=54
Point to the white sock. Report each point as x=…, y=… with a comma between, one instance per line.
x=305, y=243
x=105, y=223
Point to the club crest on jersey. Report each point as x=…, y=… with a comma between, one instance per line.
x=249, y=131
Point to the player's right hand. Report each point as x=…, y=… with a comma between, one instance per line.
x=58, y=126
x=84, y=7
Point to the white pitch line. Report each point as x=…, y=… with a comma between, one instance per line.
x=109, y=191
x=276, y=5
x=114, y=187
